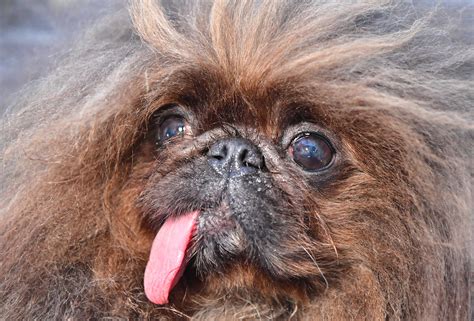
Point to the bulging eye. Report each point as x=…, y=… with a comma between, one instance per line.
x=311, y=151
x=173, y=126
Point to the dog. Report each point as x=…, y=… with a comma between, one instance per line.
x=224, y=160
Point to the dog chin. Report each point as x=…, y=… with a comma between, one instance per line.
x=219, y=240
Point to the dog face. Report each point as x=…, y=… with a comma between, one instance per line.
x=275, y=181
x=254, y=174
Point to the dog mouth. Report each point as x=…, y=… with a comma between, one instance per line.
x=167, y=259
x=243, y=221
x=205, y=236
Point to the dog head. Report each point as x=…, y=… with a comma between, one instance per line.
x=254, y=159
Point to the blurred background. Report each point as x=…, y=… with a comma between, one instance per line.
x=33, y=31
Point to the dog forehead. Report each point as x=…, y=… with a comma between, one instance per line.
x=215, y=98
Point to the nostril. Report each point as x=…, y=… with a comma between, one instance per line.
x=218, y=152
x=254, y=160
x=225, y=151
x=243, y=156
x=250, y=157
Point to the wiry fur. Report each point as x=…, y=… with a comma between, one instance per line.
x=393, y=83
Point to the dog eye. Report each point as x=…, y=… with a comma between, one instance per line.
x=173, y=126
x=311, y=151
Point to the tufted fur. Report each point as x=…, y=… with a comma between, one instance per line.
x=391, y=81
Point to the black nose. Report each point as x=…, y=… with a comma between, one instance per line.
x=233, y=157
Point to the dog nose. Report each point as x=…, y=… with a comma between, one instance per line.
x=233, y=157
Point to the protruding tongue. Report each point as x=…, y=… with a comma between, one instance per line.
x=166, y=263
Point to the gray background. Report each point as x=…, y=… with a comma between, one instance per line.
x=33, y=31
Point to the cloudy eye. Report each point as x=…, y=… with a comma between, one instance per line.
x=173, y=126
x=311, y=151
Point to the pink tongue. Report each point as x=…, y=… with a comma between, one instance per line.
x=166, y=263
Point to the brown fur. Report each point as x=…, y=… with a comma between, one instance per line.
x=391, y=82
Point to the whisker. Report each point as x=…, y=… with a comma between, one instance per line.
x=174, y=310
x=316, y=263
